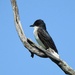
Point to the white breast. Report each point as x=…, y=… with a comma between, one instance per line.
x=37, y=38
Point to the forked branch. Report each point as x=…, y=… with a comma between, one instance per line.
x=35, y=49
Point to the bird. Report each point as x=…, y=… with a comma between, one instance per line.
x=42, y=36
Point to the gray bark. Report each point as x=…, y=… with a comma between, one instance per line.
x=35, y=49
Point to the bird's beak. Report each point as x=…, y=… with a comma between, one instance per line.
x=32, y=25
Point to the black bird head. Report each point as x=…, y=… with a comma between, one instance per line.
x=39, y=23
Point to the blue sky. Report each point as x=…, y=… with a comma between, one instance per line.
x=59, y=16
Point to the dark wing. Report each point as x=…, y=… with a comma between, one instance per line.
x=46, y=39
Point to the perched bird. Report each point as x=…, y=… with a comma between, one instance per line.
x=42, y=36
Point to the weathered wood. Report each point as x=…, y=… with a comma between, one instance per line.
x=35, y=49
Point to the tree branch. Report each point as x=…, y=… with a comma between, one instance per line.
x=35, y=49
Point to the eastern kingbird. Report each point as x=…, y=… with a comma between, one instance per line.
x=42, y=36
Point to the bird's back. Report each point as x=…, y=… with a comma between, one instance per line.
x=46, y=39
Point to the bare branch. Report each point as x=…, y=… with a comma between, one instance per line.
x=35, y=49
x=26, y=42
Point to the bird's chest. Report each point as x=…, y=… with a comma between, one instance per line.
x=37, y=38
x=35, y=33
